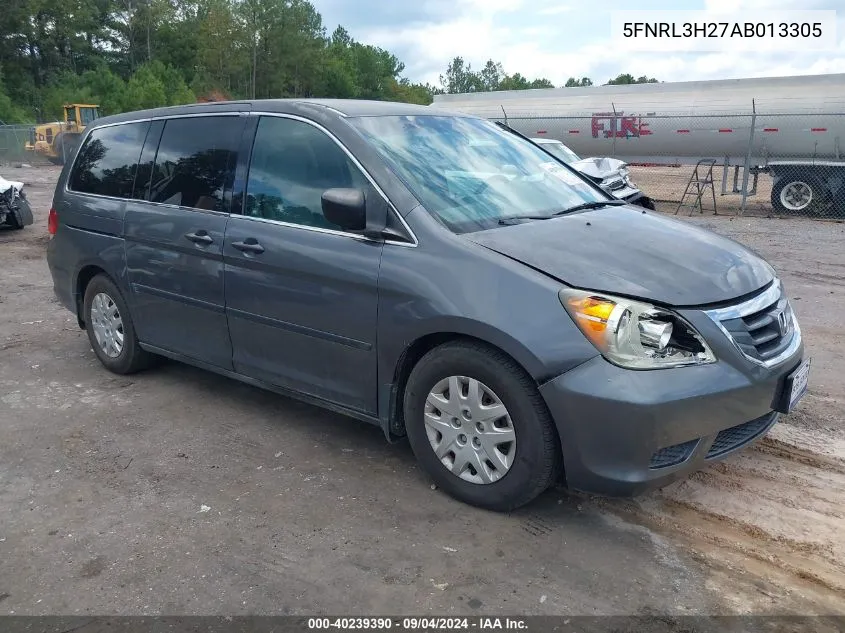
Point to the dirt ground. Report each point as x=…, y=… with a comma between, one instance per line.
x=176, y=491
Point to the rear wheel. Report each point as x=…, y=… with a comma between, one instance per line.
x=479, y=427
x=802, y=195
x=110, y=328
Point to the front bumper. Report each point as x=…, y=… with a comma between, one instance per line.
x=632, y=195
x=628, y=193
x=624, y=432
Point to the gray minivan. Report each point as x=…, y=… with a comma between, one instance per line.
x=433, y=273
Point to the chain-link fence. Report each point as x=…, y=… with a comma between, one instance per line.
x=772, y=164
x=13, y=140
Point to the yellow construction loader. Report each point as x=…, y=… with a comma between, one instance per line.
x=55, y=141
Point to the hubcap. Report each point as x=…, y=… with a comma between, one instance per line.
x=470, y=429
x=796, y=196
x=107, y=324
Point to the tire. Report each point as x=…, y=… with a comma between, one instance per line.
x=22, y=216
x=63, y=146
x=59, y=149
x=534, y=460
x=646, y=203
x=10, y=221
x=800, y=195
x=130, y=358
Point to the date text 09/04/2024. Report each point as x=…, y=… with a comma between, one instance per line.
x=419, y=623
x=722, y=29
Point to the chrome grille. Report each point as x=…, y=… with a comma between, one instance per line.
x=763, y=328
x=765, y=333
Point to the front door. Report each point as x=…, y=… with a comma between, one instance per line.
x=174, y=236
x=302, y=295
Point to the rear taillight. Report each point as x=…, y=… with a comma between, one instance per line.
x=52, y=222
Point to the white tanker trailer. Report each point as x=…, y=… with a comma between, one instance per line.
x=790, y=127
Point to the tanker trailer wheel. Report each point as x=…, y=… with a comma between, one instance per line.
x=800, y=195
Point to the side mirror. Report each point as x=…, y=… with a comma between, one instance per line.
x=347, y=208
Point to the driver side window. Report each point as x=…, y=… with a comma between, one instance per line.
x=292, y=164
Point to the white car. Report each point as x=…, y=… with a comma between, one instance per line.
x=609, y=173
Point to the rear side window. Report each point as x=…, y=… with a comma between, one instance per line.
x=195, y=162
x=107, y=162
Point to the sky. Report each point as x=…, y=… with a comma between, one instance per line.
x=558, y=39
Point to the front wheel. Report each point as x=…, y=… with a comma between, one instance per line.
x=479, y=427
x=22, y=215
x=58, y=157
x=646, y=203
x=110, y=328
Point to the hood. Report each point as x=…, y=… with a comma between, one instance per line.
x=622, y=250
x=599, y=167
x=5, y=185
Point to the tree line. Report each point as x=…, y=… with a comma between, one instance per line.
x=133, y=54
x=460, y=78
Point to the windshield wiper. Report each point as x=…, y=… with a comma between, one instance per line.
x=513, y=219
x=596, y=204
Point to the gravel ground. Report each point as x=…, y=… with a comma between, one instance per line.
x=176, y=491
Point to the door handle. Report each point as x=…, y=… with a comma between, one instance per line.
x=249, y=245
x=200, y=237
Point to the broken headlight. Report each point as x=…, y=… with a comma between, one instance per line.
x=626, y=177
x=635, y=334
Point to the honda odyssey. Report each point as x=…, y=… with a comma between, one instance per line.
x=435, y=274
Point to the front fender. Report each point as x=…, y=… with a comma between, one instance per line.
x=456, y=288
x=462, y=327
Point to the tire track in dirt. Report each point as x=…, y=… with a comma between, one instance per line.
x=786, y=451
x=772, y=517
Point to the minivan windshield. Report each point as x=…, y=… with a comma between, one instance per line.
x=470, y=173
